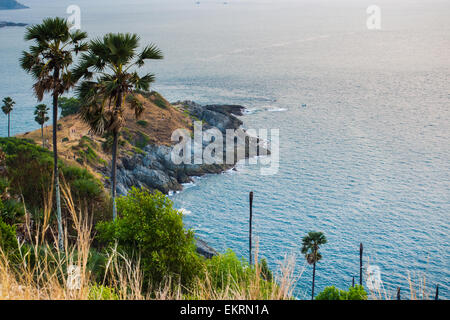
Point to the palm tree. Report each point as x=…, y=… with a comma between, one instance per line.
x=114, y=60
x=48, y=61
x=7, y=107
x=310, y=248
x=41, y=118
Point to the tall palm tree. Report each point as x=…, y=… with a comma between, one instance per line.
x=41, y=118
x=48, y=61
x=114, y=60
x=310, y=248
x=7, y=107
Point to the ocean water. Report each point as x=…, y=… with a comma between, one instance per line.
x=368, y=159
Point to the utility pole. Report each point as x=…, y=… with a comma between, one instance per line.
x=250, y=228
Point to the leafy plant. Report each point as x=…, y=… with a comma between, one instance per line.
x=333, y=293
x=150, y=228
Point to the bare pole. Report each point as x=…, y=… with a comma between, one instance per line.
x=250, y=228
x=436, y=297
x=398, y=294
x=360, y=263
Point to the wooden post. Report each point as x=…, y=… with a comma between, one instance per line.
x=360, y=264
x=436, y=297
x=398, y=293
x=353, y=281
x=250, y=228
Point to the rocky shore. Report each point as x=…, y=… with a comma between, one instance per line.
x=154, y=168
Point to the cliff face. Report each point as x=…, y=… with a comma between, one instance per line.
x=10, y=5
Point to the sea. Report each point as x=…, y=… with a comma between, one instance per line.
x=362, y=109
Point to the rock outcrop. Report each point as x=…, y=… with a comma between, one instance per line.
x=154, y=168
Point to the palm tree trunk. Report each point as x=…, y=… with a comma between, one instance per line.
x=42, y=135
x=314, y=279
x=113, y=172
x=9, y=124
x=55, y=166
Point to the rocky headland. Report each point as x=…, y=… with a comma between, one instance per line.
x=11, y=5
x=154, y=168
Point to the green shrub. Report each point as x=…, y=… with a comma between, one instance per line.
x=99, y=292
x=142, y=123
x=333, y=293
x=65, y=139
x=228, y=270
x=29, y=171
x=8, y=240
x=68, y=106
x=150, y=227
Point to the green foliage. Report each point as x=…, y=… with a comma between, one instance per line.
x=69, y=106
x=29, y=170
x=142, y=140
x=333, y=293
x=228, y=270
x=11, y=211
x=8, y=241
x=41, y=113
x=266, y=273
x=159, y=101
x=99, y=292
x=150, y=227
x=142, y=123
x=311, y=244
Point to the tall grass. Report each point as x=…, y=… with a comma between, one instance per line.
x=40, y=270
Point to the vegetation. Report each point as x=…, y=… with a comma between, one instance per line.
x=69, y=106
x=41, y=118
x=310, y=248
x=26, y=174
x=150, y=227
x=8, y=241
x=48, y=61
x=103, y=99
x=353, y=293
x=7, y=108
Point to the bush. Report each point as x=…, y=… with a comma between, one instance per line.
x=228, y=270
x=142, y=123
x=8, y=240
x=333, y=293
x=150, y=227
x=99, y=292
x=29, y=173
x=68, y=106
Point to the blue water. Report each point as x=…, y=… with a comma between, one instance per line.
x=366, y=161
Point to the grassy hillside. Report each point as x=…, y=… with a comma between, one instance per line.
x=76, y=146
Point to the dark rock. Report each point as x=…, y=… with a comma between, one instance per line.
x=204, y=249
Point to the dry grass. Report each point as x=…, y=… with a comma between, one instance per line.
x=40, y=271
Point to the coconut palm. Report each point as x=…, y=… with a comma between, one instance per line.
x=310, y=248
x=48, y=61
x=113, y=60
x=41, y=118
x=7, y=107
